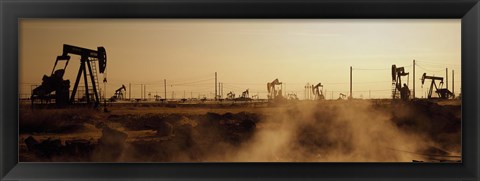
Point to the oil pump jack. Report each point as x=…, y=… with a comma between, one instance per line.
x=119, y=94
x=397, y=74
x=442, y=93
x=272, y=92
x=61, y=87
x=245, y=94
x=318, y=91
x=87, y=58
x=244, y=97
x=231, y=95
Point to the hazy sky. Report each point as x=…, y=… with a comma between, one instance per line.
x=246, y=53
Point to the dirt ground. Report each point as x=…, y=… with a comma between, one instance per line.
x=303, y=131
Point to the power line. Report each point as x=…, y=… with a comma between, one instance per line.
x=426, y=69
x=377, y=68
x=369, y=69
x=244, y=83
x=436, y=63
x=198, y=81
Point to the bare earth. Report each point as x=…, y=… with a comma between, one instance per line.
x=304, y=131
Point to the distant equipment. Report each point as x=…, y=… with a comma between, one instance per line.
x=119, y=94
x=231, y=96
x=158, y=98
x=54, y=87
x=399, y=90
x=292, y=96
x=245, y=94
x=318, y=91
x=273, y=92
x=244, y=97
x=442, y=93
x=342, y=96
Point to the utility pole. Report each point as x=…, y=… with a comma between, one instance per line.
x=351, y=97
x=129, y=91
x=453, y=84
x=446, y=76
x=219, y=89
x=413, y=78
x=215, y=85
x=144, y=91
x=165, y=87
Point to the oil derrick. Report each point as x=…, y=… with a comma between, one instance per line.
x=442, y=93
x=118, y=94
x=273, y=92
x=318, y=92
x=55, y=82
x=399, y=90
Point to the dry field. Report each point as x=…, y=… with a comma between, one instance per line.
x=304, y=131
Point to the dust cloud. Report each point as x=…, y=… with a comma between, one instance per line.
x=353, y=132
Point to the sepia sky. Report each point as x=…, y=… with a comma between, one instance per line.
x=246, y=53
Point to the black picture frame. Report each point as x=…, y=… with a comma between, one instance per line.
x=466, y=10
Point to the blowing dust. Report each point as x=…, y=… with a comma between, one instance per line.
x=354, y=132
